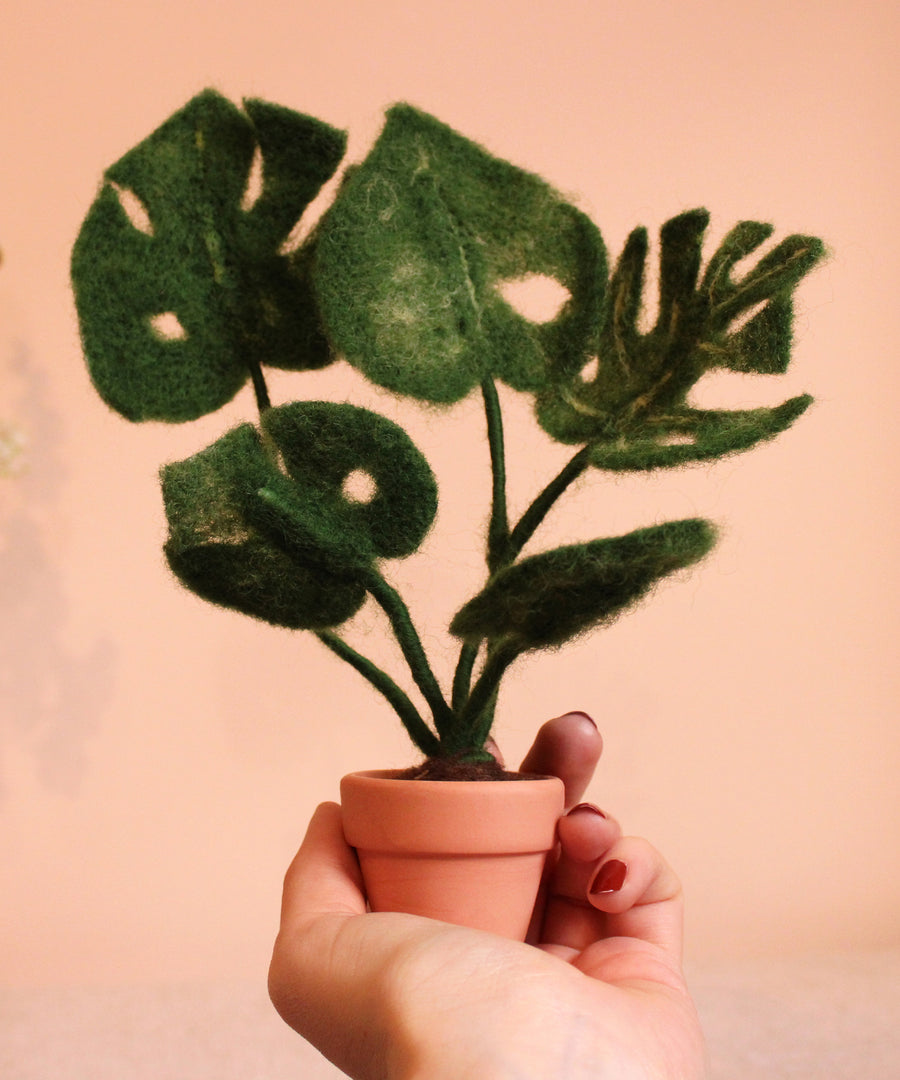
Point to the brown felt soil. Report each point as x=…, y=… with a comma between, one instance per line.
x=452, y=769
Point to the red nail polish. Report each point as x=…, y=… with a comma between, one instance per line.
x=610, y=877
x=587, y=806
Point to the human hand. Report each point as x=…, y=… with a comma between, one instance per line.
x=597, y=993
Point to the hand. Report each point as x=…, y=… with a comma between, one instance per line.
x=598, y=993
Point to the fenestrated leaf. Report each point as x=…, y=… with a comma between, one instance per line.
x=267, y=527
x=221, y=556
x=548, y=599
x=634, y=411
x=411, y=258
x=204, y=260
x=323, y=442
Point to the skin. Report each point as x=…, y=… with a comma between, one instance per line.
x=597, y=993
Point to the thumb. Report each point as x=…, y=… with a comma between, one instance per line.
x=330, y=969
x=324, y=877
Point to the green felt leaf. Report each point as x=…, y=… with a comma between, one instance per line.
x=412, y=257
x=635, y=406
x=220, y=555
x=691, y=435
x=547, y=599
x=169, y=244
x=742, y=240
x=763, y=344
x=321, y=444
x=264, y=523
x=681, y=243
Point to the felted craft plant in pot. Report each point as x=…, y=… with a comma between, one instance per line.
x=185, y=292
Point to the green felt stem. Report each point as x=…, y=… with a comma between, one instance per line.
x=477, y=716
x=418, y=730
x=462, y=677
x=475, y=705
x=401, y=622
x=263, y=401
x=498, y=529
x=486, y=721
x=542, y=505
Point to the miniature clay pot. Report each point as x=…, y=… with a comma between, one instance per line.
x=465, y=852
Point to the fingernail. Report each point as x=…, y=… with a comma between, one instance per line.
x=578, y=712
x=610, y=878
x=586, y=806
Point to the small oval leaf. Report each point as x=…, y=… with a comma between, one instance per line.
x=547, y=599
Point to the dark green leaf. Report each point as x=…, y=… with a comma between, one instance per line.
x=411, y=257
x=268, y=528
x=697, y=435
x=550, y=598
x=634, y=411
x=212, y=268
x=217, y=553
x=322, y=443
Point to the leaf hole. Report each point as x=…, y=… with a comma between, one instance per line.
x=740, y=321
x=254, y=186
x=167, y=327
x=746, y=264
x=359, y=487
x=134, y=209
x=723, y=389
x=537, y=297
x=591, y=369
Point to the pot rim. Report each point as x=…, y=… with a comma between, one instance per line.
x=396, y=775
x=382, y=812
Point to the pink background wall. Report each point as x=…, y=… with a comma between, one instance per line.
x=159, y=758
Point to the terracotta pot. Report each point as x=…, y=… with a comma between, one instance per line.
x=465, y=852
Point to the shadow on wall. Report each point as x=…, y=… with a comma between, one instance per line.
x=51, y=694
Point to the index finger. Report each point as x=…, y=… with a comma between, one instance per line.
x=568, y=747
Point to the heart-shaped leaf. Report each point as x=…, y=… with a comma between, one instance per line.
x=412, y=257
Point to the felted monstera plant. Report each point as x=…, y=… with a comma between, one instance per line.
x=185, y=291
